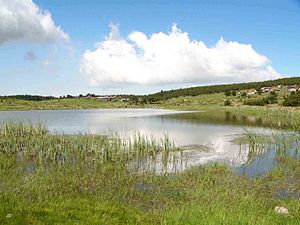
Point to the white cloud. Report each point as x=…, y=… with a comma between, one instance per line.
x=24, y=20
x=168, y=58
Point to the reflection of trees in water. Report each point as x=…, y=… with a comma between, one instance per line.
x=226, y=118
x=234, y=118
x=259, y=121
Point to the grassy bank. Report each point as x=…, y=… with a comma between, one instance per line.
x=86, y=179
x=71, y=103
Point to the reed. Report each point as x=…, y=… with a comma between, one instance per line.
x=286, y=144
x=36, y=145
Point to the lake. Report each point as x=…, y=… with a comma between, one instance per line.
x=204, y=136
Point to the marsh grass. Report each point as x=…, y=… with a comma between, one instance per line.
x=256, y=143
x=84, y=179
x=35, y=145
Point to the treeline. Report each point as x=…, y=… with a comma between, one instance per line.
x=194, y=91
x=29, y=97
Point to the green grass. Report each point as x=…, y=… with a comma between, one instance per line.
x=75, y=103
x=207, y=101
x=84, y=179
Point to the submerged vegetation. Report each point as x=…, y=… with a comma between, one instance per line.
x=88, y=179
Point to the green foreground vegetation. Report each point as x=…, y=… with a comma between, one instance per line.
x=87, y=179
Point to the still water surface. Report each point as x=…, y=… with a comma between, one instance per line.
x=204, y=136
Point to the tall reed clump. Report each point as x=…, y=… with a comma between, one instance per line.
x=27, y=143
x=286, y=144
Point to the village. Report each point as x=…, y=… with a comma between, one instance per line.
x=290, y=88
x=113, y=98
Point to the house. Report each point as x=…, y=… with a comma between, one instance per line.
x=105, y=98
x=292, y=89
x=266, y=89
x=252, y=93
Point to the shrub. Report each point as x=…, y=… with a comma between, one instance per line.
x=292, y=100
x=257, y=102
x=271, y=99
x=227, y=102
x=227, y=93
x=259, y=91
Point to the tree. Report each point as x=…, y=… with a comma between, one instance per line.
x=134, y=99
x=259, y=91
x=227, y=92
x=272, y=98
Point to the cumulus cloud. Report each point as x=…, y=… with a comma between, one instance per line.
x=24, y=20
x=169, y=58
x=30, y=56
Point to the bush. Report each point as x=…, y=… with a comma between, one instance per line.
x=257, y=102
x=227, y=102
x=271, y=99
x=227, y=93
x=259, y=91
x=292, y=100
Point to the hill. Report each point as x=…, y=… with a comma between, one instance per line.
x=213, y=89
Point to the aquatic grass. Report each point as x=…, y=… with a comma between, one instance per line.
x=256, y=143
x=287, y=144
x=35, y=145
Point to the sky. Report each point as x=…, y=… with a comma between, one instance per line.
x=60, y=47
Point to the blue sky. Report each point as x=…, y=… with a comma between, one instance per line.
x=271, y=27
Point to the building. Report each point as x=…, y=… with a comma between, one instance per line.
x=105, y=98
x=125, y=100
